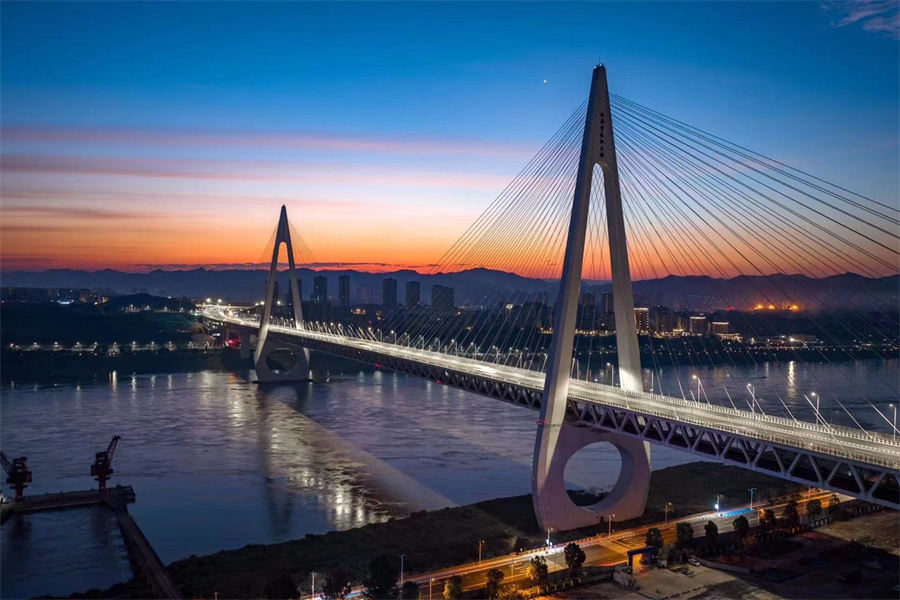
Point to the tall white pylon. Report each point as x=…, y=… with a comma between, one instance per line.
x=263, y=344
x=556, y=442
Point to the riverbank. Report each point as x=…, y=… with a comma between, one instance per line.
x=27, y=367
x=439, y=538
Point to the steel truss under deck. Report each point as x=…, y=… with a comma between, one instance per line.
x=879, y=484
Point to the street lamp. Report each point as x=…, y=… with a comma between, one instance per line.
x=894, y=432
x=402, y=556
x=480, y=546
x=718, y=496
x=816, y=396
x=752, y=396
x=430, y=582
x=668, y=506
x=751, y=497
x=609, y=521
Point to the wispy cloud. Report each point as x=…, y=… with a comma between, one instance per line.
x=376, y=267
x=77, y=212
x=877, y=16
x=262, y=139
x=241, y=170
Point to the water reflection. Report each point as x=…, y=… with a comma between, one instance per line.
x=218, y=462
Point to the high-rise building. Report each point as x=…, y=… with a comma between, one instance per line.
x=608, y=303
x=665, y=321
x=412, y=294
x=389, y=292
x=642, y=319
x=718, y=327
x=344, y=290
x=320, y=289
x=697, y=325
x=442, y=299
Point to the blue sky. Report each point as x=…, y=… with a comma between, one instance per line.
x=388, y=87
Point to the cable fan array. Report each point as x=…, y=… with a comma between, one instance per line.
x=740, y=230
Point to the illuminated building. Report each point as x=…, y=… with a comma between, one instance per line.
x=344, y=290
x=718, y=327
x=320, y=289
x=442, y=299
x=697, y=326
x=642, y=319
x=389, y=292
x=412, y=294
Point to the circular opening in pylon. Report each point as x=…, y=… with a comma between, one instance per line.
x=281, y=360
x=592, y=472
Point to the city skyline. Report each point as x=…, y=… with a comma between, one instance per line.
x=175, y=153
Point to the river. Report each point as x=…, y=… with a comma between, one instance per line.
x=217, y=462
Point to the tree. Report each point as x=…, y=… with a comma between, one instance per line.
x=409, y=590
x=492, y=585
x=337, y=584
x=712, y=532
x=790, y=514
x=684, y=533
x=453, y=588
x=381, y=580
x=814, y=508
x=281, y=586
x=741, y=528
x=537, y=571
x=767, y=520
x=511, y=593
x=574, y=558
x=834, y=504
x=654, y=538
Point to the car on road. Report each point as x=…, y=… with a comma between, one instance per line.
x=693, y=561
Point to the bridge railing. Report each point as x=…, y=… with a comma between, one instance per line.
x=694, y=413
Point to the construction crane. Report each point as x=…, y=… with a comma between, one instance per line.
x=18, y=475
x=102, y=469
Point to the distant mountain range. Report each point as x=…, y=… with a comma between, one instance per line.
x=485, y=286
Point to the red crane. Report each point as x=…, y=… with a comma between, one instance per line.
x=102, y=469
x=18, y=475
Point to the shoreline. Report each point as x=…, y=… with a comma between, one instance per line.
x=438, y=538
x=48, y=367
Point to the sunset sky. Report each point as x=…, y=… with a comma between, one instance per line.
x=137, y=136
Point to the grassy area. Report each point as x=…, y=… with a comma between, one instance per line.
x=438, y=538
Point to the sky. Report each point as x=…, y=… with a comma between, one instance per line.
x=142, y=135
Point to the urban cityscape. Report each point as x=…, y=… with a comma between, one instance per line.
x=423, y=300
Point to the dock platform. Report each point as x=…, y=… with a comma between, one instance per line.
x=145, y=563
x=121, y=494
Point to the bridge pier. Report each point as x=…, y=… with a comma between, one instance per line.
x=626, y=500
x=555, y=443
x=246, y=344
x=270, y=368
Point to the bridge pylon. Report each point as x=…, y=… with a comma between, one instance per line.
x=557, y=441
x=268, y=343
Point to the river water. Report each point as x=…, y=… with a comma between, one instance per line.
x=217, y=462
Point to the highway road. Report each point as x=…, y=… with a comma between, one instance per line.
x=600, y=550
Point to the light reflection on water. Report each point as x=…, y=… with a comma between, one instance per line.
x=217, y=462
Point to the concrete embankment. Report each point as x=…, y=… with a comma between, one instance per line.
x=144, y=560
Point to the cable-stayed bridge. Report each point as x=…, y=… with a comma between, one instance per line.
x=707, y=207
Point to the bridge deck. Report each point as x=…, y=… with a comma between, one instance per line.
x=868, y=448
